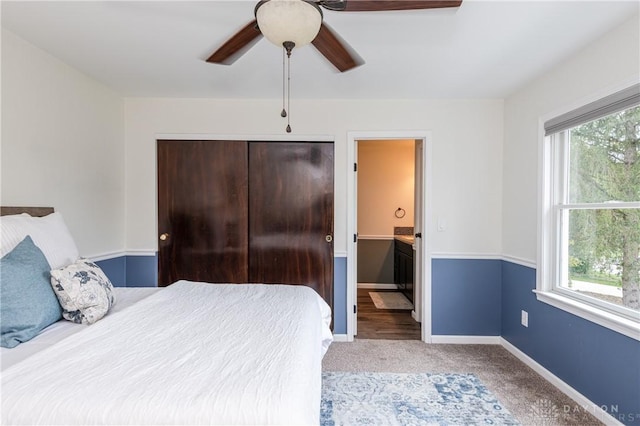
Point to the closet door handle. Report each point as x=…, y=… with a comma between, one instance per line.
x=329, y=238
x=163, y=237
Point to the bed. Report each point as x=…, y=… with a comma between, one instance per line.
x=190, y=353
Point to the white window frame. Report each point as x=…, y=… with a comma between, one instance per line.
x=553, y=169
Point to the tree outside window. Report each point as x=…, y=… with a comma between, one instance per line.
x=599, y=211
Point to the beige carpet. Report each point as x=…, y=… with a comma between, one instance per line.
x=390, y=300
x=530, y=398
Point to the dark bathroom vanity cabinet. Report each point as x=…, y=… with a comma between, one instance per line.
x=403, y=255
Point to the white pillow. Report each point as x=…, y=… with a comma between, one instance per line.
x=84, y=291
x=13, y=229
x=49, y=233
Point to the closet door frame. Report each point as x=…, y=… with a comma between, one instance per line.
x=248, y=139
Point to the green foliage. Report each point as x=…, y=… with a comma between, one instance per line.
x=605, y=162
x=605, y=167
x=578, y=266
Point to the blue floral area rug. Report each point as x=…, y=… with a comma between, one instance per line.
x=409, y=399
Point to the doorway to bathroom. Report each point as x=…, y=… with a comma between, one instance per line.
x=386, y=280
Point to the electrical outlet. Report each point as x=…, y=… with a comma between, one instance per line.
x=524, y=320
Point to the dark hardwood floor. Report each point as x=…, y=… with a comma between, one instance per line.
x=391, y=324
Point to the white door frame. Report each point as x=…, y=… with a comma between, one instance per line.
x=425, y=248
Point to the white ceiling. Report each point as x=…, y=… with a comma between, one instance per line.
x=484, y=49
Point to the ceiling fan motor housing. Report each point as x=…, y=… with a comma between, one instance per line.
x=296, y=21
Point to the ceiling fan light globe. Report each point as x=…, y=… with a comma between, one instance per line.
x=296, y=21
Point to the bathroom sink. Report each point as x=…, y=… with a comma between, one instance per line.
x=408, y=239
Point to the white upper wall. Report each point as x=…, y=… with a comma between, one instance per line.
x=608, y=64
x=62, y=145
x=467, y=140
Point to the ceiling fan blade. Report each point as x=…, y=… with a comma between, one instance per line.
x=237, y=45
x=383, y=5
x=336, y=50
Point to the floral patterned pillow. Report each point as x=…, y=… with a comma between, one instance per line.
x=84, y=291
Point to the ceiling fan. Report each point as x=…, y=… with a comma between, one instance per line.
x=292, y=23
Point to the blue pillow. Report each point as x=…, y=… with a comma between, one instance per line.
x=26, y=297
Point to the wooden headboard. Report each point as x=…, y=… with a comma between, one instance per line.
x=33, y=211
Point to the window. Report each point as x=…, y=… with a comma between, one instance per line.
x=590, y=221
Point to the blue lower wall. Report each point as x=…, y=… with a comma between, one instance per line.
x=131, y=271
x=473, y=297
x=142, y=271
x=115, y=269
x=340, y=295
x=465, y=297
x=599, y=363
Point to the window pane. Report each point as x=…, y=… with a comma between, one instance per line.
x=605, y=159
x=603, y=249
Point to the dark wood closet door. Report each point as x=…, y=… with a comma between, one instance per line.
x=202, y=211
x=291, y=214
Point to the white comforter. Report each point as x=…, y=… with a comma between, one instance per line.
x=191, y=354
x=62, y=329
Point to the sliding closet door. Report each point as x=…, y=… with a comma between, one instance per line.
x=291, y=214
x=202, y=211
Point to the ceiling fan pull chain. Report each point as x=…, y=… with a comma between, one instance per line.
x=284, y=111
x=289, y=90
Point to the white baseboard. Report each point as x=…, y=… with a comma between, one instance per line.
x=341, y=338
x=377, y=286
x=467, y=340
x=582, y=400
x=415, y=316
